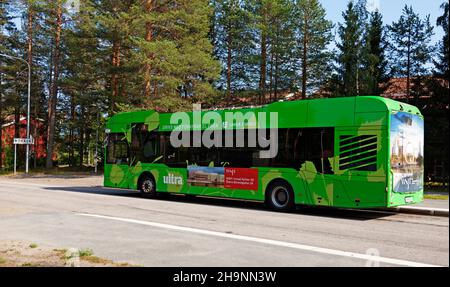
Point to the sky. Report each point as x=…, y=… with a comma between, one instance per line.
x=391, y=11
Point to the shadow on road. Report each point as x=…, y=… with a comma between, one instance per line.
x=353, y=214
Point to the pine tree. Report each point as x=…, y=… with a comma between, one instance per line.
x=13, y=73
x=410, y=48
x=314, y=36
x=234, y=45
x=5, y=21
x=282, y=43
x=376, y=60
x=114, y=29
x=82, y=83
x=173, y=52
x=350, y=50
x=53, y=96
x=442, y=64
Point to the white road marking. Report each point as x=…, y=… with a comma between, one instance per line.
x=266, y=241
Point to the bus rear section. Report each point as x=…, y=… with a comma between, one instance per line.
x=406, y=159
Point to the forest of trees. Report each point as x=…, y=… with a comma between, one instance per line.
x=107, y=56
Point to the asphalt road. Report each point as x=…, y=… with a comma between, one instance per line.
x=178, y=231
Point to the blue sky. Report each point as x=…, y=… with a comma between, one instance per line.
x=391, y=11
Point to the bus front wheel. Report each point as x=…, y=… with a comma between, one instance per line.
x=147, y=186
x=280, y=196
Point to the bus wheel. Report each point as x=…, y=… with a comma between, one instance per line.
x=280, y=197
x=147, y=186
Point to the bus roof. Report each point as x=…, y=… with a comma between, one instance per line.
x=326, y=112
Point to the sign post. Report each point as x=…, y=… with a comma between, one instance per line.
x=15, y=158
x=21, y=141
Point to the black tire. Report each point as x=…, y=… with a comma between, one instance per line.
x=147, y=186
x=280, y=197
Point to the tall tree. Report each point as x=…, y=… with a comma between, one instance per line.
x=149, y=5
x=410, y=47
x=350, y=49
x=234, y=44
x=4, y=22
x=261, y=11
x=82, y=83
x=442, y=64
x=13, y=76
x=314, y=36
x=114, y=19
x=376, y=61
x=53, y=97
x=173, y=54
x=282, y=45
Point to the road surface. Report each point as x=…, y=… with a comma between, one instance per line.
x=178, y=231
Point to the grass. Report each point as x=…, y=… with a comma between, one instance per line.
x=86, y=252
x=59, y=170
x=29, y=264
x=88, y=255
x=2, y=261
x=436, y=196
x=96, y=260
x=33, y=245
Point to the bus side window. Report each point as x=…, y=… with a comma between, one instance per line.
x=145, y=145
x=320, y=148
x=174, y=157
x=117, y=149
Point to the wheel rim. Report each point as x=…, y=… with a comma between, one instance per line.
x=280, y=197
x=147, y=186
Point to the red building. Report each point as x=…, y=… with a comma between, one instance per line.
x=37, y=131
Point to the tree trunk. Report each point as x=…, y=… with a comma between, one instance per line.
x=305, y=57
x=271, y=76
x=30, y=61
x=17, y=121
x=304, y=67
x=276, y=77
x=72, y=161
x=1, y=123
x=229, y=59
x=17, y=129
x=115, y=76
x=81, y=132
x=148, y=37
x=54, y=89
x=263, y=69
x=408, y=72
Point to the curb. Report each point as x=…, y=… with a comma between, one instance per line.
x=420, y=210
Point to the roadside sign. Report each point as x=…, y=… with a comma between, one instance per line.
x=23, y=141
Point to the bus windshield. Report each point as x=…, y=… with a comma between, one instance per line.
x=407, y=137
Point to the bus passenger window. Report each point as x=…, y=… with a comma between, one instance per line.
x=320, y=148
x=117, y=149
x=145, y=145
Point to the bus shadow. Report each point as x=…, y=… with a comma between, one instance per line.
x=353, y=214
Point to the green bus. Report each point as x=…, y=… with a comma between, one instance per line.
x=353, y=152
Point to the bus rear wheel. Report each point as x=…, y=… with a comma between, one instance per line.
x=280, y=197
x=147, y=186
